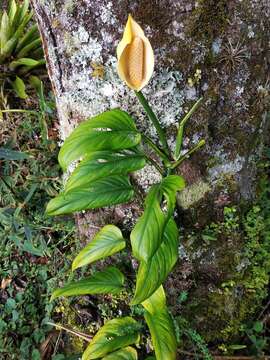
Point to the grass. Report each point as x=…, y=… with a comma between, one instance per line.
x=32, y=245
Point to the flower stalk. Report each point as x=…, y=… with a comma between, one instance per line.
x=152, y=117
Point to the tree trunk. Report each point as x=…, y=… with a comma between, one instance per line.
x=217, y=49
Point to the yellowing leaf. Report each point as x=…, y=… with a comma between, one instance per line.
x=115, y=334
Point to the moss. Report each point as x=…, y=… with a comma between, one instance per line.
x=228, y=182
x=244, y=258
x=229, y=311
x=69, y=318
x=209, y=19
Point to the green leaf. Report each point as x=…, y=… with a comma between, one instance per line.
x=27, y=68
x=115, y=119
x=107, y=241
x=101, y=164
x=4, y=30
x=23, y=11
x=9, y=46
x=30, y=248
x=156, y=302
x=30, y=35
x=29, y=47
x=19, y=87
x=161, y=326
x=93, y=135
x=104, y=192
x=24, y=61
x=169, y=187
x=237, y=347
x=8, y=154
x=147, y=234
x=38, y=53
x=110, y=280
x=179, y=137
x=12, y=10
x=258, y=326
x=153, y=273
x=37, y=85
x=127, y=353
x=114, y=335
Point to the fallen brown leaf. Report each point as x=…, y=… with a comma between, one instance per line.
x=5, y=282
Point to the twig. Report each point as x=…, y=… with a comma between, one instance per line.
x=57, y=343
x=225, y=357
x=264, y=309
x=77, y=333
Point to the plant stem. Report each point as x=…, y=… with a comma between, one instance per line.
x=156, y=149
x=179, y=137
x=149, y=159
x=152, y=162
x=187, y=154
x=151, y=115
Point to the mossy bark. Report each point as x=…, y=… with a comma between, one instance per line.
x=215, y=49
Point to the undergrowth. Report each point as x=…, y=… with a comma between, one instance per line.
x=32, y=244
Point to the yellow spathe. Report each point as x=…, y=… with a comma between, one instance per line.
x=135, y=56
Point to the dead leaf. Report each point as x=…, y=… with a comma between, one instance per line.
x=5, y=282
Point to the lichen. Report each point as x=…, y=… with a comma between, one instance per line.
x=192, y=194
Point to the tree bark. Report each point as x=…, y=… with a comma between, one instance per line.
x=217, y=49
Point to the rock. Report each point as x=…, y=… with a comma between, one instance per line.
x=217, y=49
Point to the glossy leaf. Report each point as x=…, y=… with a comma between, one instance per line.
x=161, y=326
x=169, y=187
x=107, y=241
x=114, y=335
x=104, y=192
x=147, y=234
x=153, y=273
x=110, y=280
x=101, y=164
x=93, y=135
x=127, y=353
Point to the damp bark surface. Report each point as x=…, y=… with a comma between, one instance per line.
x=215, y=49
